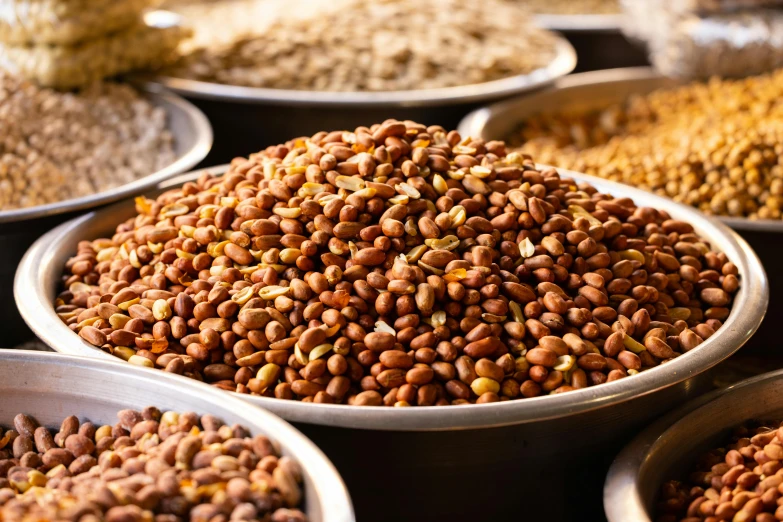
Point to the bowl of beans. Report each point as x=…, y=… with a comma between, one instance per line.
x=92, y=440
x=716, y=458
x=407, y=282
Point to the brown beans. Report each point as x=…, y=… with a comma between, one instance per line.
x=739, y=482
x=397, y=272
x=164, y=453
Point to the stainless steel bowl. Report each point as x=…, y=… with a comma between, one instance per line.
x=20, y=227
x=668, y=448
x=581, y=23
x=246, y=119
x=559, y=441
x=50, y=387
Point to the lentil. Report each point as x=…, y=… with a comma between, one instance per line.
x=148, y=466
x=742, y=481
x=56, y=146
x=714, y=145
x=386, y=45
x=533, y=284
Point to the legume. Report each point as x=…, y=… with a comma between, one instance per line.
x=384, y=45
x=149, y=466
x=398, y=264
x=56, y=146
x=741, y=482
x=715, y=145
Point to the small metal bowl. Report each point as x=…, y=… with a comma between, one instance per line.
x=246, y=118
x=49, y=387
x=563, y=441
x=580, y=23
x=20, y=227
x=667, y=449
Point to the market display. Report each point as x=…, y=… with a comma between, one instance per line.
x=398, y=264
x=741, y=482
x=148, y=466
x=385, y=45
x=714, y=145
x=56, y=146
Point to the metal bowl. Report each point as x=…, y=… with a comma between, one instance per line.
x=50, y=387
x=667, y=449
x=598, y=90
x=248, y=118
x=560, y=440
x=581, y=23
x=20, y=227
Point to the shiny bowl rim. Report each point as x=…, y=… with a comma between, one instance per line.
x=563, y=63
x=332, y=493
x=622, y=500
x=202, y=130
x=474, y=123
x=35, y=308
x=581, y=23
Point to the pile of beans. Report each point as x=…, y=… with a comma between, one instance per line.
x=383, y=45
x=398, y=264
x=741, y=482
x=716, y=146
x=165, y=467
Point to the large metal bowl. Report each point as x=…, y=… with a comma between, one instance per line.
x=50, y=387
x=600, y=89
x=554, y=445
x=20, y=227
x=667, y=449
x=248, y=118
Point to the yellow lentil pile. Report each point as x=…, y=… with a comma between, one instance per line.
x=717, y=146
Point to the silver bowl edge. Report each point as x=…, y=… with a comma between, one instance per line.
x=39, y=272
x=588, y=90
x=192, y=142
x=50, y=386
x=638, y=471
x=563, y=63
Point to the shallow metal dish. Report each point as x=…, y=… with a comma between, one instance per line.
x=563, y=63
x=667, y=448
x=192, y=141
x=583, y=92
x=581, y=23
x=49, y=387
x=435, y=450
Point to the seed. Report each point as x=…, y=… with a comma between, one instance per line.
x=484, y=385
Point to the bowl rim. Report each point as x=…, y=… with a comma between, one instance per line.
x=581, y=23
x=476, y=121
x=750, y=305
x=202, y=131
x=333, y=496
x=622, y=499
x=562, y=64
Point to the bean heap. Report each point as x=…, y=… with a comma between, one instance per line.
x=149, y=466
x=716, y=146
x=384, y=45
x=399, y=265
x=742, y=482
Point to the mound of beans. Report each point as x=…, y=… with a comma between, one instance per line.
x=149, y=466
x=741, y=482
x=397, y=264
